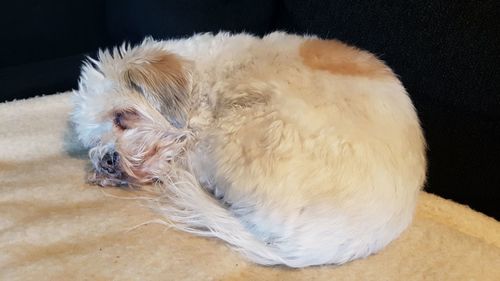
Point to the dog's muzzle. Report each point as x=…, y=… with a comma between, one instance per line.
x=107, y=171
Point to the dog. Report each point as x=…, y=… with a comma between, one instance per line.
x=295, y=150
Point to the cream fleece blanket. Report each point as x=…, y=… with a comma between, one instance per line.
x=55, y=227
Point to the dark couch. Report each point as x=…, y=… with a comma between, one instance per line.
x=446, y=53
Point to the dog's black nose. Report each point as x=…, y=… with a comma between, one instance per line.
x=109, y=162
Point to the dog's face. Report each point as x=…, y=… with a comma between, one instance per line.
x=130, y=111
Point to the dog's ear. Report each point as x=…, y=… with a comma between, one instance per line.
x=161, y=77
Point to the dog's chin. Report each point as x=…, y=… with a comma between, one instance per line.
x=120, y=179
x=104, y=179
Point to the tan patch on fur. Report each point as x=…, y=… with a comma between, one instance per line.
x=339, y=58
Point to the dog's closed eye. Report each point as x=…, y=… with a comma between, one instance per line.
x=125, y=119
x=118, y=121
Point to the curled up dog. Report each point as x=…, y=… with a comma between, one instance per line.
x=292, y=149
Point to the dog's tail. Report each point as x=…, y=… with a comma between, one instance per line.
x=190, y=208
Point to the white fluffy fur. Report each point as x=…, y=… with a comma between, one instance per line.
x=291, y=161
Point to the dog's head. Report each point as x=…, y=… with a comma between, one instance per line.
x=131, y=110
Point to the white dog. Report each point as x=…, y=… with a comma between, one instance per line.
x=294, y=150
